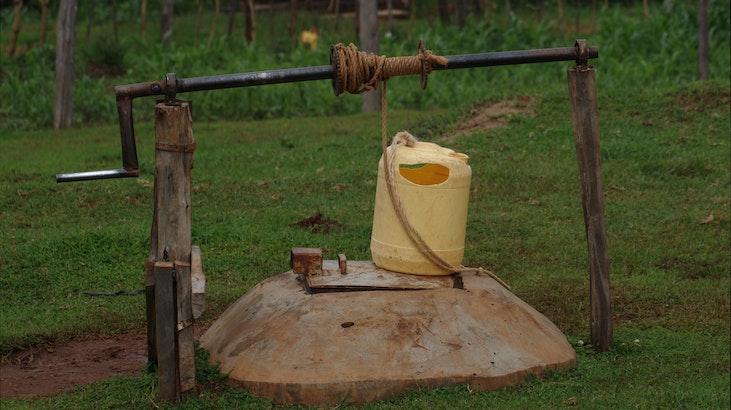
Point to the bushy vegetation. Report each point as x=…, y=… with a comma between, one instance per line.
x=634, y=52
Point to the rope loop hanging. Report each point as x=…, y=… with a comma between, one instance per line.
x=358, y=72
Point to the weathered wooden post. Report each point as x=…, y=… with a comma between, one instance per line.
x=171, y=244
x=585, y=118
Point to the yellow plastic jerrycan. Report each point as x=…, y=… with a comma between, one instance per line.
x=434, y=186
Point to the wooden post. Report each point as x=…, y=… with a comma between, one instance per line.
x=64, y=64
x=582, y=92
x=703, y=71
x=166, y=319
x=174, y=146
x=368, y=37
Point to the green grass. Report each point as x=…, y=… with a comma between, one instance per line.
x=634, y=53
x=666, y=168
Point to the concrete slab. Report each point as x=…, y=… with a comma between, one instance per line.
x=280, y=342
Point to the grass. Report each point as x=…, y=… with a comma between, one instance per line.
x=667, y=176
x=634, y=53
x=666, y=169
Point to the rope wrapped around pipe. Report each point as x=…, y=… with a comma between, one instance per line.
x=358, y=71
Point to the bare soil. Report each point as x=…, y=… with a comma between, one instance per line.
x=42, y=371
x=52, y=369
x=493, y=114
x=318, y=223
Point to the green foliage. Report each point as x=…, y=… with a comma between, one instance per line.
x=633, y=53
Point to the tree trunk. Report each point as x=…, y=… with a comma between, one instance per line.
x=389, y=9
x=44, y=21
x=703, y=70
x=461, y=12
x=368, y=36
x=292, y=29
x=166, y=22
x=115, y=31
x=89, y=20
x=541, y=10
x=17, y=10
x=577, y=22
x=593, y=15
x=247, y=7
x=143, y=17
x=646, y=8
x=444, y=11
x=64, y=64
x=559, y=4
x=337, y=14
x=198, y=13
x=212, y=30
x=232, y=4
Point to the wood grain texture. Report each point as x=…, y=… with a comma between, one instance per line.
x=172, y=218
x=364, y=275
x=585, y=117
x=329, y=349
x=166, y=318
x=65, y=36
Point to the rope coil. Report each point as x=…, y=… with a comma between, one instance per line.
x=358, y=71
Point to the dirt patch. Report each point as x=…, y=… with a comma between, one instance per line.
x=318, y=223
x=702, y=99
x=47, y=370
x=42, y=371
x=490, y=115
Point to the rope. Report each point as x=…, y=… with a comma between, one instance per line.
x=360, y=72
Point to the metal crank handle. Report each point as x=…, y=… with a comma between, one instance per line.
x=130, y=166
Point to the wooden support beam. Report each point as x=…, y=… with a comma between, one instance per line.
x=174, y=146
x=166, y=319
x=585, y=117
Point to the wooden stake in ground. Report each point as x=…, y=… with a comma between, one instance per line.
x=174, y=147
x=166, y=22
x=44, y=21
x=17, y=13
x=63, y=110
x=247, y=7
x=368, y=35
x=582, y=93
x=212, y=29
x=143, y=17
x=703, y=70
x=165, y=316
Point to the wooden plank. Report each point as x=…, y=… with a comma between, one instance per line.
x=165, y=327
x=173, y=164
x=585, y=117
x=364, y=275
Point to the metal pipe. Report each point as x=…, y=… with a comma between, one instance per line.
x=104, y=174
x=326, y=72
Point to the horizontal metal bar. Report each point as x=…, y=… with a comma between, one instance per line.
x=325, y=72
x=103, y=174
x=541, y=55
x=287, y=75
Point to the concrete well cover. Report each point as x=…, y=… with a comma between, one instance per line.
x=353, y=347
